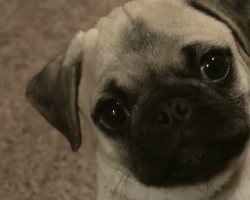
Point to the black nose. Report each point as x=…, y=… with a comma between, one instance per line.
x=172, y=109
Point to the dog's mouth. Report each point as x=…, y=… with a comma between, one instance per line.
x=188, y=163
x=201, y=161
x=185, y=140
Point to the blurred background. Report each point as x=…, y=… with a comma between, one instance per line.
x=36, y=162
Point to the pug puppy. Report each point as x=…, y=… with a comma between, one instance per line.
x=164, y=85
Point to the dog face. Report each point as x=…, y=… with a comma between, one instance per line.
x=163, y=84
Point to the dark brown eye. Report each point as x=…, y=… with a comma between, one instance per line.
x=112, y=114
x=214, y=66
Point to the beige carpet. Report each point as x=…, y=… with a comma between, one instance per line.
x=36, y=162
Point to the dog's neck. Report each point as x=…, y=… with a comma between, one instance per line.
x=116, y=183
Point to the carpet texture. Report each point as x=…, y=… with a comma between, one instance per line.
x=36, y=162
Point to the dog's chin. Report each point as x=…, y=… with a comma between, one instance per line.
x=189, y=163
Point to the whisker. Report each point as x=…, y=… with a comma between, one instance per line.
x=125, y=183
x=202, y=191
x=118, y=183
x=147, y=194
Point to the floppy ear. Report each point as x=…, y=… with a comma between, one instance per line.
x=235, y=13
x=54, y=91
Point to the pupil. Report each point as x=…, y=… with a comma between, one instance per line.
x=113, y=114
x=215, y=67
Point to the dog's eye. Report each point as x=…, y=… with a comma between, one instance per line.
x=214, y=66
x=112, y=114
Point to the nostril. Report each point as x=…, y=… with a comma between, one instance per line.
x=182, y=109
x=170, y=110
x=162, y=117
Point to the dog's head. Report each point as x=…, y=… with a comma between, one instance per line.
x=165, y=82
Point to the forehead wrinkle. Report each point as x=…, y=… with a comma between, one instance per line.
x=139, y=38
x=127, y=92
x=142, y=47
